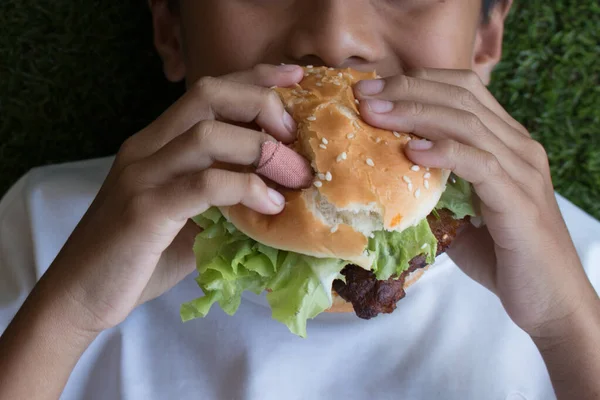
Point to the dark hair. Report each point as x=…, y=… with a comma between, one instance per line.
x=486, y=9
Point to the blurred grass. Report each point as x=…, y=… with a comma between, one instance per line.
x=77, y=77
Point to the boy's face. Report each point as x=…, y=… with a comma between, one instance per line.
x=214, y=37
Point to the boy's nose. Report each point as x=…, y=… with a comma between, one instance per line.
x=336, y=33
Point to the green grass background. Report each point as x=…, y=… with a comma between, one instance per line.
x=78, y=76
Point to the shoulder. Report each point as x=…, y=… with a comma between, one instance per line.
x=39, y=212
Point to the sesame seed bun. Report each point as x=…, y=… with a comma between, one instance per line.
x=363, y=180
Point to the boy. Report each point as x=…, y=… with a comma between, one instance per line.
x=449, y=338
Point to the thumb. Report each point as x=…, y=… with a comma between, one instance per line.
x=473, y=252
x=176, y=262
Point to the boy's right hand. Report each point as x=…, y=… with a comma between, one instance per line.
x=135, y=241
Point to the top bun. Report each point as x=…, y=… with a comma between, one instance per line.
x=363, y=180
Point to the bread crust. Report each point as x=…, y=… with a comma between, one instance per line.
x=362, y=173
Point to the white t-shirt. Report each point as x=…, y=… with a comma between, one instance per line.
x=448, y=339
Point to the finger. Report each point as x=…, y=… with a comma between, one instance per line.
x=473, y=251
x=409, y=89
x=438, y=123
x=267, y=75
x=199, y=148
x=469, y=80
x=176, y=262
x=190, y=195
x=242, y=97
x=495, y=188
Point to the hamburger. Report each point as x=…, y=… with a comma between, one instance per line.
x=366, y=229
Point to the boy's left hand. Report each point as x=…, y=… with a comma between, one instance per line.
x=525, y=254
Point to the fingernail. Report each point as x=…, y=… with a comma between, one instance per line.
x=289, y=122
x=380, y=106
x=370, y=87
x=420, y=145
x=276, y=197
x=287, y=68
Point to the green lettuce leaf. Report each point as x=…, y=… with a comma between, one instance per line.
x=394, y=250
x=457, y=198
x=302, y=289
x=229, y=263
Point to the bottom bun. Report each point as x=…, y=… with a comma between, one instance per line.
x=342, y=306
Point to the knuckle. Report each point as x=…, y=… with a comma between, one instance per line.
x=405, y=83
x=470, y=78
x=410, y=108
x=203, y=134
x=138, y=207
x=271, y=98
x=203, y=86
x=492, y=165
x=131, y=178
x=467, y=99
x=127, y=152
x=254, y=185
x=127, y=147
x=473, y=123
x=261, y=70
x=538, y=154
x=203, y=182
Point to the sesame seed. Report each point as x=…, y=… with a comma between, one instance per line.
x=406, y=179
x=453, y=179
x=427, y=169
x=396, y=134
x=325, y=141
x=415, y=168
x=356, y=101
x=426, y=184
x=370, y=162
x=321, y=176
x=323, y=146
x=318, y=184
x=445, y=236
x=309, y=66
x=410, y=186
x=356, y=124
x=427, y=175
x=336, y=83
x=331, y=69
x=341, y=157
x=417, y=193
x=319, y=84
x=350, y=136
x=424, y=246
x=344, y=156
x=273, y=87
x=328, y=176
x=282, y=63
x=334, y=229
x=340, y=75
x=312, y=118
x=377, y=140
x=378, y=76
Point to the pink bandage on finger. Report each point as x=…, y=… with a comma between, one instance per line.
x=284, y=166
